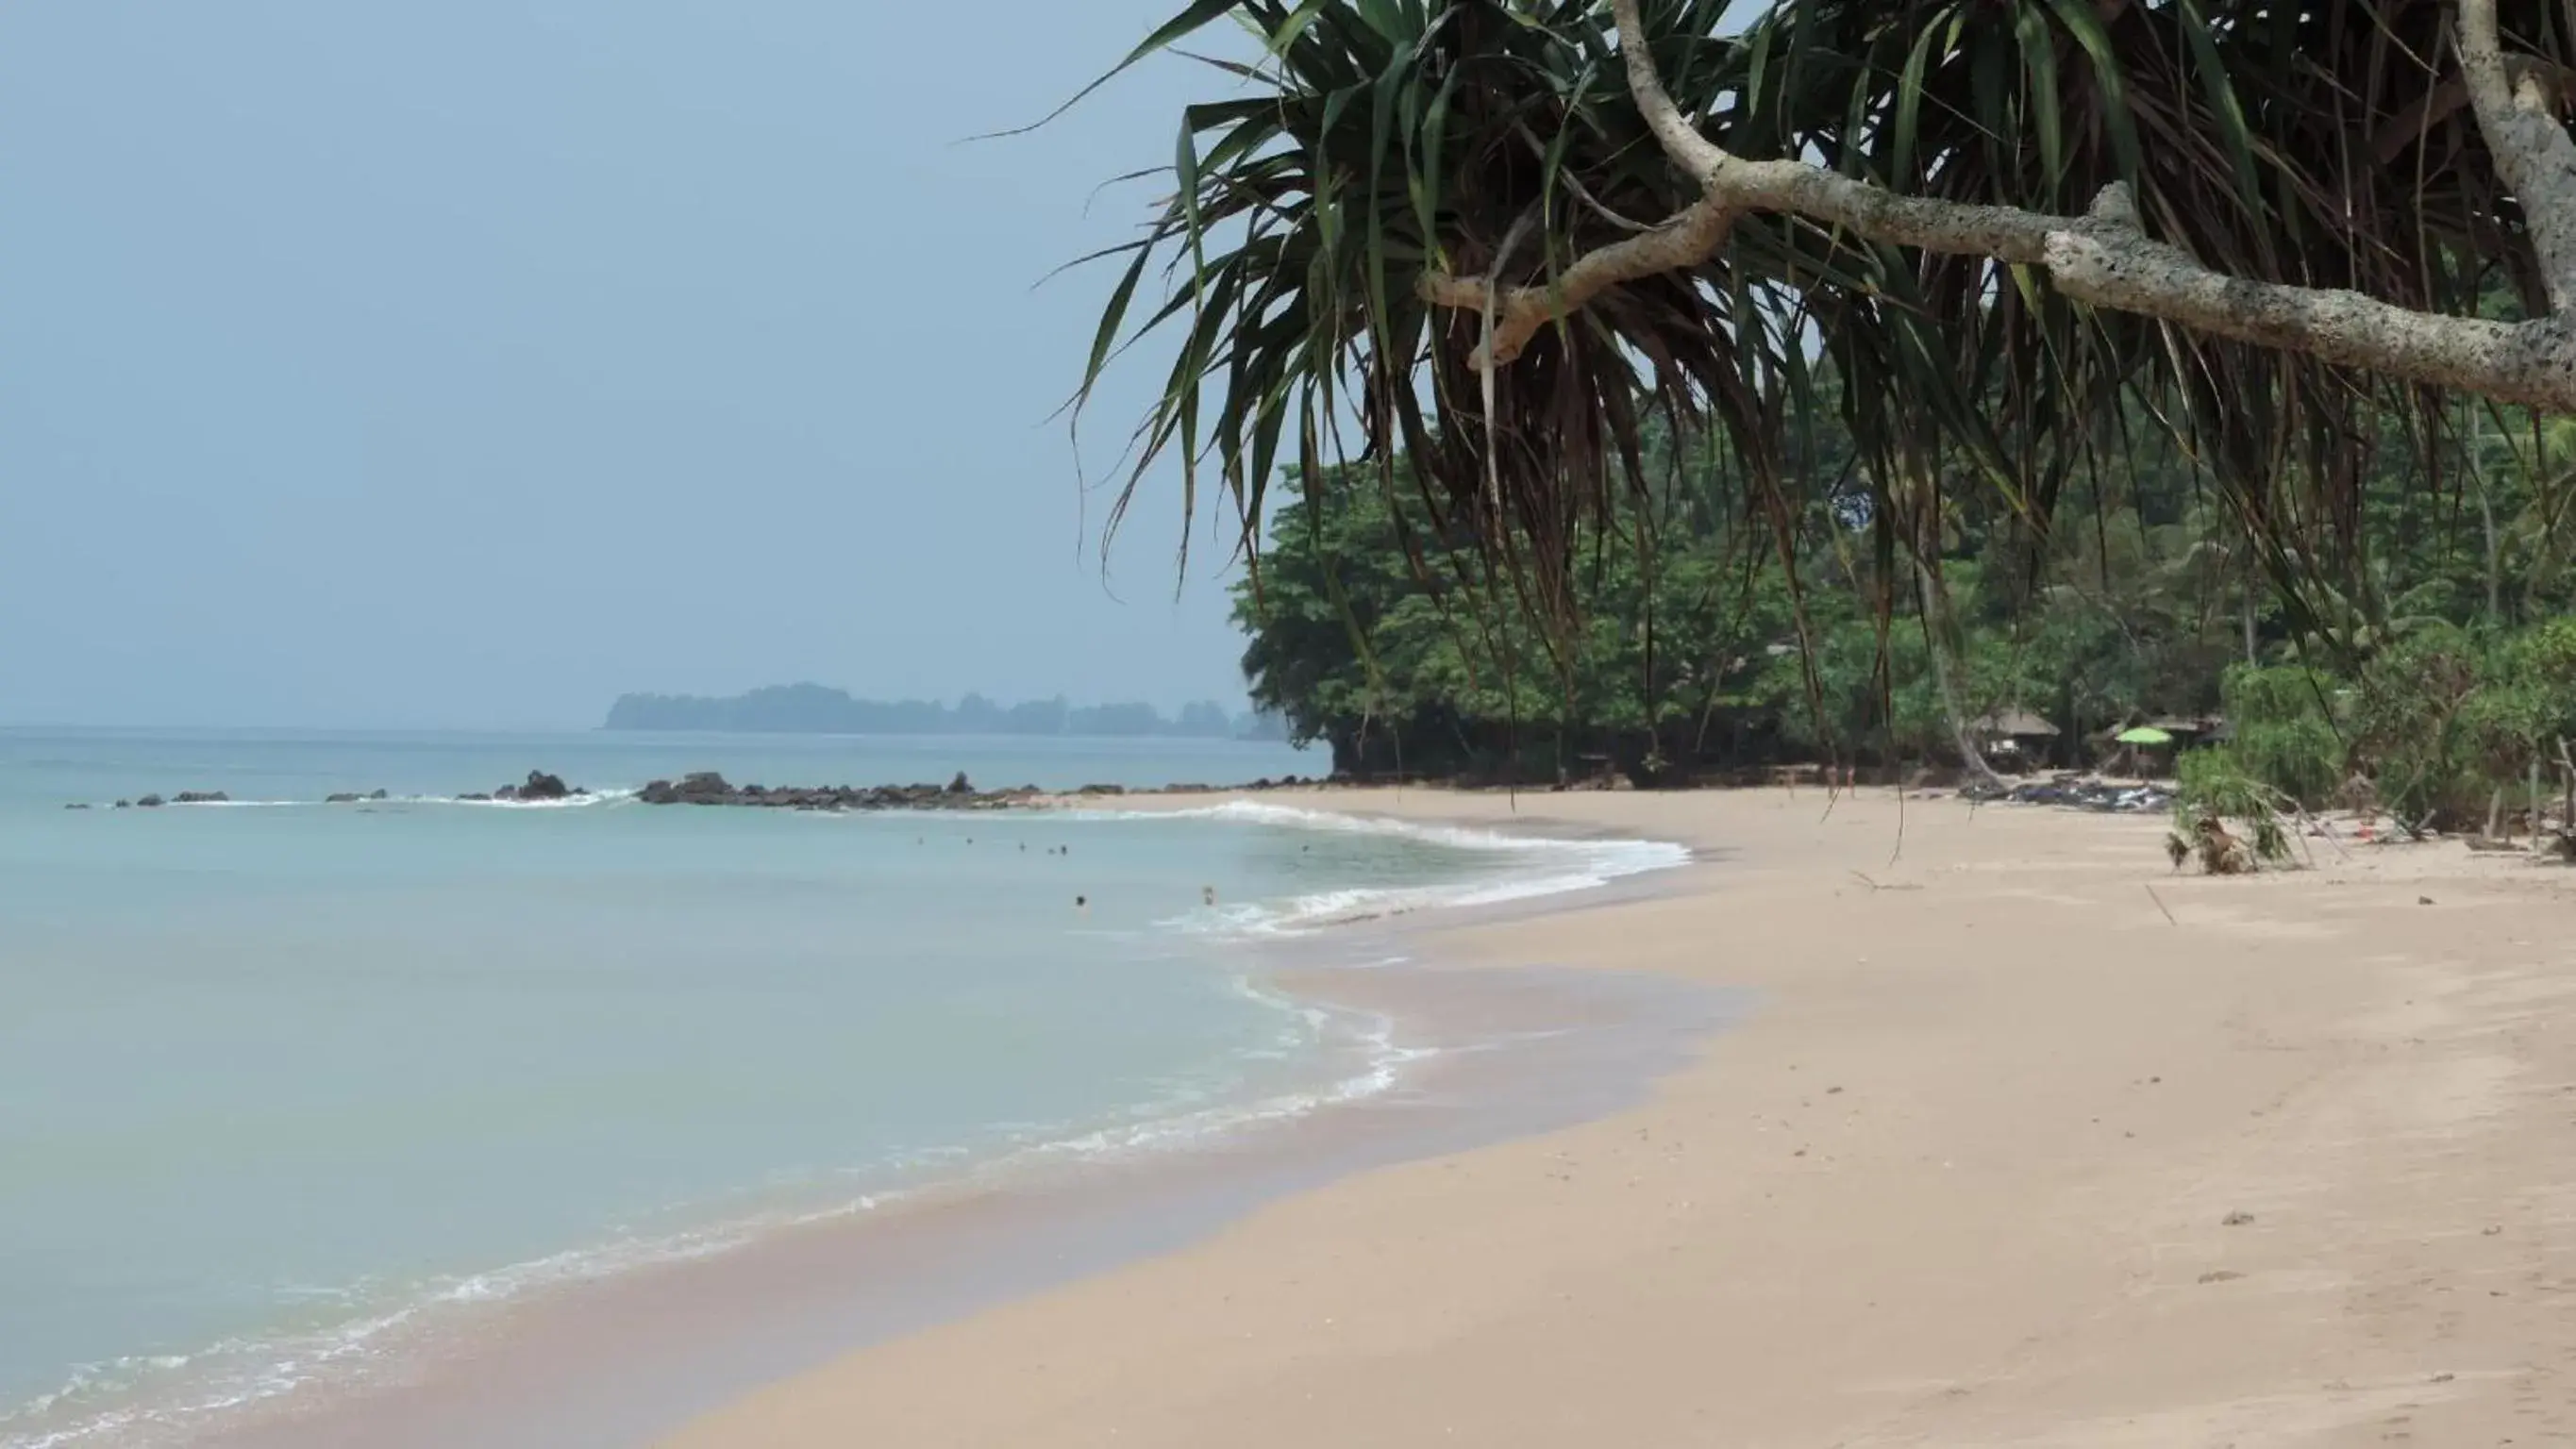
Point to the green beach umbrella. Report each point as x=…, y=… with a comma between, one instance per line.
x=2144, y=735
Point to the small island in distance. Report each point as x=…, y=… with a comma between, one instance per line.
x=818, y=709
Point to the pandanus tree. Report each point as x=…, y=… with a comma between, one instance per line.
x=1494, y=238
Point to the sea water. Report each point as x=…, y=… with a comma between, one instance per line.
x=280, y=1078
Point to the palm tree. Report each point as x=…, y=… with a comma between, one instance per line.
x=1489, y=238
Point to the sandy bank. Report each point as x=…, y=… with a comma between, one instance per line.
x=2004, y=1155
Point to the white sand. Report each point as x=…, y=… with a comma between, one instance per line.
x=1966, y=1177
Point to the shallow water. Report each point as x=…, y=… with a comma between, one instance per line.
x=275, y=1081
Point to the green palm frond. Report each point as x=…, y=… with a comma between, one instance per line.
x=2324, y=143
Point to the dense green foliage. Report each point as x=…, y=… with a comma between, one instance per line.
x=1696, y=646
x=2447, y=728
x=1350, y=147
x=1921, y=496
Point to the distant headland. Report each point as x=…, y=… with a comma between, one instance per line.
x=818, y=709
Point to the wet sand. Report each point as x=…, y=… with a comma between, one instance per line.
x=1496, y=1055
x=2022, y=1141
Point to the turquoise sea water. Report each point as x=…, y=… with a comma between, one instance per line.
x=279, y=1078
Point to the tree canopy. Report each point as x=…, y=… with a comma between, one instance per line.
x=1470, y=247
x=1378, y=633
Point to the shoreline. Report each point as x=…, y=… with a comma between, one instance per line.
x=1482, y=1058
x=2030, y=1143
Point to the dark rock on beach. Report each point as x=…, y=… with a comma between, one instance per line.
x=201, y=797
x=352, y=797
x=539, y=786
x=76, y=805
x=150, y=802
x=703, y=788
x=2077, y=792
x=542, y=786
x=709, y=788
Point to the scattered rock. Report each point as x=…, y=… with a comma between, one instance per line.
x=709, y=788
x=124, y=804
x=150, y=802
x=2080, y=792
x=2444, y=1378
x=2236, y=1220
x=201, y=797
x=2423, y=900
x=76, y=805
x=703, y=788
x=2222, y=1275
x=475, y=799
x=538, y=786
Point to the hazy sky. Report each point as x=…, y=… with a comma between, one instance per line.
x=467, y=364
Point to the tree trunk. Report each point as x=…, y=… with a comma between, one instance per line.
x=2567, y=803
x=2486, y=519
x=2252, y=658
x=1936, y=618
x=1969, y=754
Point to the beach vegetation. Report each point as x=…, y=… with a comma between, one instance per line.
x=1640, y=387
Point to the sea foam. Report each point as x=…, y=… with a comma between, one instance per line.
x=1532, y=866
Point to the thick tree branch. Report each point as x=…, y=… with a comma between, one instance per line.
x=1687, y=240
x=2002, y=232
x=2436, y=105
x=2105, y=258
x=2532, y=150
x=2112, y=264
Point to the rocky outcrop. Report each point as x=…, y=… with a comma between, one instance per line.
x=2079, y=791
x=703, y=788
x=709, y=788
x=539, y=786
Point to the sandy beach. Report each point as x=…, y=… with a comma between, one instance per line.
x=2022, y=1140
